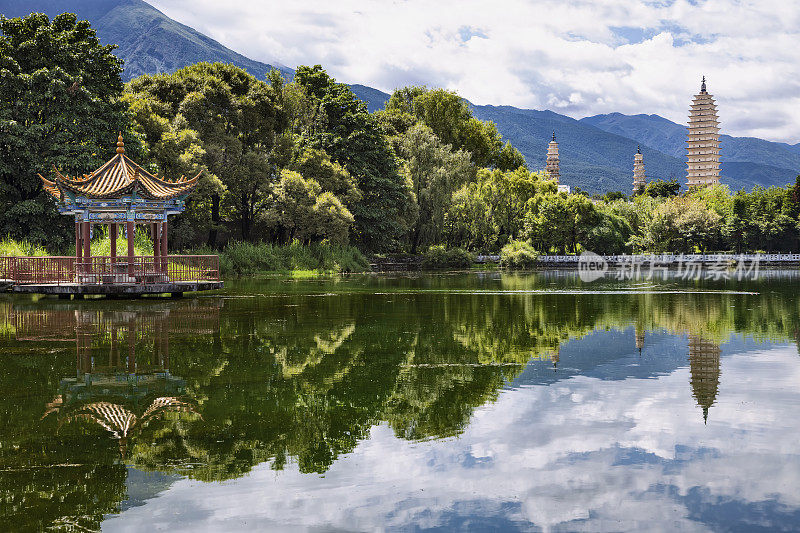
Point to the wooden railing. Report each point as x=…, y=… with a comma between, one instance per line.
x=105, y=270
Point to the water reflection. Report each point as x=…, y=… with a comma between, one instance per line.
x=295, y=377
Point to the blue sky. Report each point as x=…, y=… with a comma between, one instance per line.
x=576, y=57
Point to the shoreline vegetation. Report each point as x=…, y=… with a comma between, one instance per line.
x=301, y=261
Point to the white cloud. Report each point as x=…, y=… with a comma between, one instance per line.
x=565, y=55
x=553, y=456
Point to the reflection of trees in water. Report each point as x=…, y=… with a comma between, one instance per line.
x=303, y=379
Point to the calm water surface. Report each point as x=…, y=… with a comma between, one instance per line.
x=471, y=402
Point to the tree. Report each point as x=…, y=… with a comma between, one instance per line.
x=331, y=176
x=59, y=106
x=435, y=172
x=450, y=118
x=298, y=209
x=681, y=225
x=236, y=118
x=355, y=140
x=560, y=221
x=662, y=188
x=508, y=193
x=509, y=158
x=468, y=222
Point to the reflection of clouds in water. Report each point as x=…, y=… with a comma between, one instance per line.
x=614, y=455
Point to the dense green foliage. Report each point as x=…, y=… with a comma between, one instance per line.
x=11, y=247
x=438, y=256
x=59, y=106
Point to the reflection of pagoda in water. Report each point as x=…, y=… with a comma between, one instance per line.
x=704, y=366
x=114, y=387
x=555, y=356
x=639, y=333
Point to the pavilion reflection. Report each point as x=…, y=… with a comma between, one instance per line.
x=122, y=380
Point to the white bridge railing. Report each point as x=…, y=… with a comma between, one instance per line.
x=662, y=258
x=679, y=258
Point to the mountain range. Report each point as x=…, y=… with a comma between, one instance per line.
x=596, y=152
x=148, y=40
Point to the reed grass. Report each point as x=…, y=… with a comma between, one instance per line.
x=300, y=260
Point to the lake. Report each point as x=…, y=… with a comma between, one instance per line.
x=480, y=401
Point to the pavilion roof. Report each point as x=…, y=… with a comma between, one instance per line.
x=118, y=177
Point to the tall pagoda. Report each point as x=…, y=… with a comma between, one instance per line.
x=639, y=178
x=552, y=166
x=702, y=144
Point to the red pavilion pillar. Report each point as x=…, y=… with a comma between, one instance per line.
x=164, y=255
x=156, y=246
x=112, y=231
x=78, y=245
x=87, y=246
x=130, y=229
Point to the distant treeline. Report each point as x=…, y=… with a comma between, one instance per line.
x=303, y=160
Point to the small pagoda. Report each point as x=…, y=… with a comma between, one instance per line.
x=119, y=195
x=702, y=144
x=639, y=179
x=552, y=165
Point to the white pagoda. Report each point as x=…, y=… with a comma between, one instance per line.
x=639, y=178
x=702, y=144
x=552, y=166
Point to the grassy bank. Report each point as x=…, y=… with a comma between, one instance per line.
x=298, y=260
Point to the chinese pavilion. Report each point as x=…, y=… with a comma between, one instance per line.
x=702, y=144
x=118, y=194
x=639, y=178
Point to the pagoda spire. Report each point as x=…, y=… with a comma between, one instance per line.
x=552, y=165
x=702, y=144
x=639, y=178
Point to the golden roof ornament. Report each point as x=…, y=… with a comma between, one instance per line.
x=120, y=144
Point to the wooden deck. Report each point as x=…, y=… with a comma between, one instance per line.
x=130, y=290
x=111, y=276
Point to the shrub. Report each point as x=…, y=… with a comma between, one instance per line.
x=11, y=247
x=440, y=257
x=518, y=255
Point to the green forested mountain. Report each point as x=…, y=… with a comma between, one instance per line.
x=149, y=41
